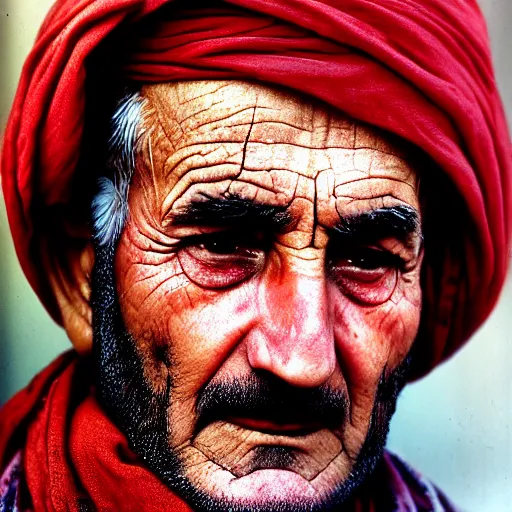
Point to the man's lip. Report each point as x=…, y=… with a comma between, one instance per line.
x=274, y=428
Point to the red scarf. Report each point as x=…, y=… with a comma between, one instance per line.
x=68, y=456
x=73, y=455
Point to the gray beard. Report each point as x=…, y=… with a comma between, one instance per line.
x=141, y=413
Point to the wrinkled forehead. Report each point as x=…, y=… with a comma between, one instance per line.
x=212, y=131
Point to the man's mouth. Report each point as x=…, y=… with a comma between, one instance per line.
x=245, y=444
x=271, y=427
x=267, y=405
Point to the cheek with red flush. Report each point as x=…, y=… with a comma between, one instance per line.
x=370, y=339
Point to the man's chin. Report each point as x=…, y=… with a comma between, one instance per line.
x=263, y=490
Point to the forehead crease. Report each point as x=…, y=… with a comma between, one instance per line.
x=308, y=162
x=196, y=91
x=207, y=115
x=201, y=157
x=376, y=163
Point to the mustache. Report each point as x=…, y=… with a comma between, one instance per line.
x=263, y=396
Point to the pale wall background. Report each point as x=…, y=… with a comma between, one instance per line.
x=455, y=425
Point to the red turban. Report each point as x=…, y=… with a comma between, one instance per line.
x=420, y=69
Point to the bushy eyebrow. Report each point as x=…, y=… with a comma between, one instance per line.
x=399, y=222
x=232, y=209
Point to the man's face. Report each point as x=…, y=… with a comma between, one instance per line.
x=269, y=275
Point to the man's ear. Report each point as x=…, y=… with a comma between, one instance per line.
x=69, y=271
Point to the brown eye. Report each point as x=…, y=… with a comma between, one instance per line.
x=221, y=260
x=366, y=275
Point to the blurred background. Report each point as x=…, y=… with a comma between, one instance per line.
x=454, y=426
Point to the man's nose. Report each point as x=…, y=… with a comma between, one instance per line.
x=294, y=338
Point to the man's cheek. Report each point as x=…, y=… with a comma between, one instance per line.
x=207, y=331
x=146, y=288
x=370, y=339
x=199, y=327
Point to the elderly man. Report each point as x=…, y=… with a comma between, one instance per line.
x=256, y=220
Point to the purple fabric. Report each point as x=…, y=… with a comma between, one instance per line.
x=412, y=491
x=9, y=486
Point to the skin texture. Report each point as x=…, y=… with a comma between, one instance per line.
x=287, y=302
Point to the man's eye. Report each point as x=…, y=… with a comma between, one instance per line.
x=222, y=259
x=366, y=275
x=371, y=259
x=221, y=245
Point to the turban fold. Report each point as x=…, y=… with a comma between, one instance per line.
x=420, y=69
